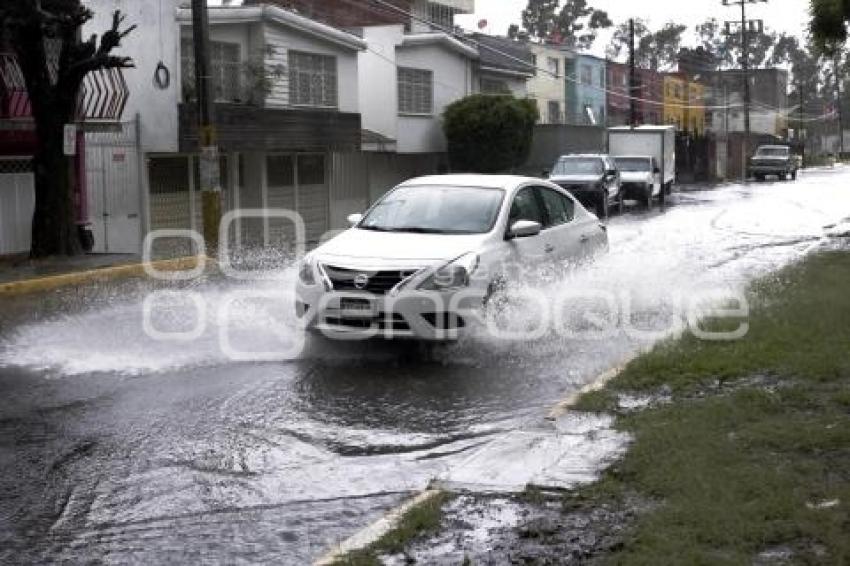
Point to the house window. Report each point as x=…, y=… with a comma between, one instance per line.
x=416, y=91
x=312, y=80
x=586, y=74
x=555, y=116
x=492, y=86
x=601, y=76
x=225, y=69
x=553, y=66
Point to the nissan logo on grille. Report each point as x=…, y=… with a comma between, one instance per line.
x=361, y=281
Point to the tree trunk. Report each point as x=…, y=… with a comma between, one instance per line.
x=54, y=226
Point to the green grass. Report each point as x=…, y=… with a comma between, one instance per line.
x=742, y=472
x=419, y=520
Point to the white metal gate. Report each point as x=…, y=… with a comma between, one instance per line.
x=17, y=204
x=114, y=189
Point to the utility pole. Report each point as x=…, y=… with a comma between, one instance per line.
x=800, y=126
x=838, y=82
x=745, y=63
x=633, y=88
x=207, y=136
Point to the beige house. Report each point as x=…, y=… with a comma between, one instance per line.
x=548, y=85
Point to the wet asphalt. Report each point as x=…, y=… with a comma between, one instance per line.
x=116, y=447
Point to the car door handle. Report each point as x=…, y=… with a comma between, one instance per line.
x=548, y=248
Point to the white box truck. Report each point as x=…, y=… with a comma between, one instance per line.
x=656, y=144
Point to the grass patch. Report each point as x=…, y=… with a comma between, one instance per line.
x=756, y=468
x=419, y=520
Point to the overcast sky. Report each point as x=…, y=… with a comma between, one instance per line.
x=790, y=16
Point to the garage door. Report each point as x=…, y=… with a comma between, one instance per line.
x=297, y=183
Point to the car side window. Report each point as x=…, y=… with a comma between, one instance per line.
x=526, y=207
x=560, y=209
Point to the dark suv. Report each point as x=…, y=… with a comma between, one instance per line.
x=773, y=160
x=593, y=179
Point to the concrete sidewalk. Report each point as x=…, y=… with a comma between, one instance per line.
x=22, y=269
x=28, y=276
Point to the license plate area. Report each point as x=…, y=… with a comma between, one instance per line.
x=360, y=307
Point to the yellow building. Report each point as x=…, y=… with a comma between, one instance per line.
x=675, y=100
x=684, y=104
x=695, y=112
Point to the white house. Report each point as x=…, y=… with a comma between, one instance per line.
x=406, y=82
x=286, y=99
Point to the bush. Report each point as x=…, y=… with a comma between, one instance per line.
x=489, y=134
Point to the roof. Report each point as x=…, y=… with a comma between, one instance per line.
x=500, y=54
x=250, y=14
x=442, y=39
x=473, y=180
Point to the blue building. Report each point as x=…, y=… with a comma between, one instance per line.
x=587, y=83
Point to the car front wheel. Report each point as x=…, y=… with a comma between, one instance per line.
x=602, y=204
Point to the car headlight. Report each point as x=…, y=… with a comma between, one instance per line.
x=454, y=275
x=307, y=273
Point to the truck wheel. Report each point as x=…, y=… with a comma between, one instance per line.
x=662, y=196
x=621, y=204
x=602, y=205
x=794, y=175
x=647, y=198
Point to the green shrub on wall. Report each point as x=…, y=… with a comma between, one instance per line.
x=489, y=134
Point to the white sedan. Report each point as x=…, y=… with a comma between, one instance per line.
x=433, y=249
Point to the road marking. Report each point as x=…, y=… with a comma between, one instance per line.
x=52, y=282
x=376, y=530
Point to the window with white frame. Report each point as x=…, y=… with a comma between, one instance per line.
x=586, y=74
x=553, y=65
x=225, y=68
x=312, y=80
x=493, y=86
x=415, y=91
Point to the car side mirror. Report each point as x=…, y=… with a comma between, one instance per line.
x=656, y=171
x=354, y=219
x=524, y=229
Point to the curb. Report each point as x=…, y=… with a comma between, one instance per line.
x=376, y=530
x=52, y=282
x=379, y=528
x=601, y=381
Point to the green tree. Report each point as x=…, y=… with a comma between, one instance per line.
x=32, y=29
x=725, y=48
x=576, y=24
x=829, y=24
x=489, y=134
x=653, y=50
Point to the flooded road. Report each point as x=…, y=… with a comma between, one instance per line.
x=117, y=447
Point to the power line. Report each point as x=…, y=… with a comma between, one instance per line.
x=531, y=66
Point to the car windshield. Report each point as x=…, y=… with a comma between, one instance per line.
x=436, y=210
x=578, y=166
x=633, y=164
x=772, y=152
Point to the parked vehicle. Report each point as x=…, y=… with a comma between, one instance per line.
x=658, y=142
x=435, y=247
x=593, y=179
x=640, y=177
x=773, y=160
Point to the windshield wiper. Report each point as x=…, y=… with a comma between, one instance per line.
x=416, y=230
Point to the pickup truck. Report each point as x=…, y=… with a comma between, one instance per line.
x=773, y=160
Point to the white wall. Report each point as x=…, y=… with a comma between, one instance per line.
x=452, y=81
x=147, y=45
x=377, y=84
x=282, y=39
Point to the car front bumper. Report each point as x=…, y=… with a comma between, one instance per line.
x=770, y=169
x=412, y=315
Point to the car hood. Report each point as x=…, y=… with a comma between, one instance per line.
x=365, y=248
x=635, y=176
x=575, y=179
